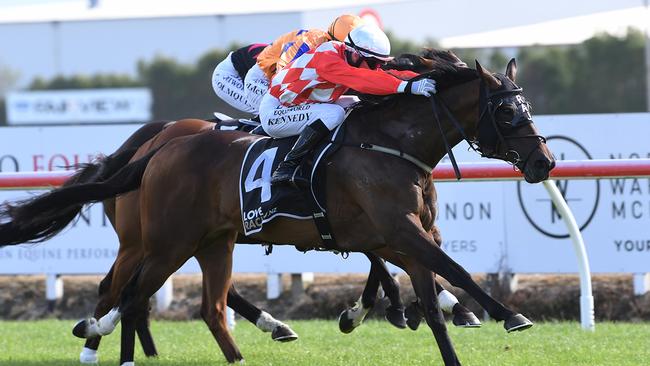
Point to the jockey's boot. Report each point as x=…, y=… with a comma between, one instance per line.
x=307, y=141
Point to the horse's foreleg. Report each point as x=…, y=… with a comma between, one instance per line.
x=264, y=321
x=407, y=236
x=394, y=312
x=352, y=317
x=215, y=260
x=424, y=285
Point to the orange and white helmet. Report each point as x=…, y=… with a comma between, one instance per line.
x=369, y=41
x=342, y=25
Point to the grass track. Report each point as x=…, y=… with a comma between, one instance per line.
x=375, y=343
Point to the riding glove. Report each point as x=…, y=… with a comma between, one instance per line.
x=424, y=87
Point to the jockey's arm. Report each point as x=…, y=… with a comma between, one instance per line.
x=378, y=82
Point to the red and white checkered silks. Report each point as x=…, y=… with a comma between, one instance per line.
x=323, y=75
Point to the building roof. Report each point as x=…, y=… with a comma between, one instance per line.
x=570, y=30
x=81, y=10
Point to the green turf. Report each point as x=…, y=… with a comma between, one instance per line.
x=375, y=343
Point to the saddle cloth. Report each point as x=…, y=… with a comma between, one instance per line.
x=260, y=202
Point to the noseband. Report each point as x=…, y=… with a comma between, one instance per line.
x=489, y=134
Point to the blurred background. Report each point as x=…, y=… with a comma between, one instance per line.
x=574, y=57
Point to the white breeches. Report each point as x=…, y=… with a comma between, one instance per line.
x=255, y=85
x=230, y=87
x=282, y=121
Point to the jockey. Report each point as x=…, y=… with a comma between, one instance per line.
x=243, y=77
x=231, y=74
x=305, y=96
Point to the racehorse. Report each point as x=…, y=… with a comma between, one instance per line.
x=155, y=134
x=130, y=250
x=198, y=196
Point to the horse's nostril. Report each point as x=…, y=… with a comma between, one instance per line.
x=552, y=165
x=541, y=164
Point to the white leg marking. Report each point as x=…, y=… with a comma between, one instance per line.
x=357, y=313
x=106, y=324
x=266, y=322
x=88, y=355
x=130, y=363
x=447, y=300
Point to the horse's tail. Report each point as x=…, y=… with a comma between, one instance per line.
x=42, y=217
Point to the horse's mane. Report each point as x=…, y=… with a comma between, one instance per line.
x=444, y=67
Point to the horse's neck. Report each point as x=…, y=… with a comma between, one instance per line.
x=410, y=126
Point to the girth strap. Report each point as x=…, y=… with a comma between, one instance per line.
x=387, y=150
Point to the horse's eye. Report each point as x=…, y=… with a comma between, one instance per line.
x=506, y=114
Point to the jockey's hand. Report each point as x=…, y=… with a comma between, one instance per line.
x=425, y=87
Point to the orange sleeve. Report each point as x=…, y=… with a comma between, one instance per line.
x=268, y=58
x=303, y=43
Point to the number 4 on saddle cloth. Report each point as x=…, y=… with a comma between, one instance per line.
x=260, y=202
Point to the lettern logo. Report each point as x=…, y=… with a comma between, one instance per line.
x=582, y=196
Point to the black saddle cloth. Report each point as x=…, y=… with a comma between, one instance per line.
x=261, y=202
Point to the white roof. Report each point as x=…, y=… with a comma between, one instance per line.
x=73, y=10
x=556, y=32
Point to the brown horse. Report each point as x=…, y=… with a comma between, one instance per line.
x=198, y=197
x=130, y=251
x=154, y=135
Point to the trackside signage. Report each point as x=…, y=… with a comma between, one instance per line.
x=485, y=226
x=79, y=106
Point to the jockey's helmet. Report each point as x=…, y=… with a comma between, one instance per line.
x=370, y=42
x=342, y=25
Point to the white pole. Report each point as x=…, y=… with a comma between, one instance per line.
x=53, y=287
x=586, y=296
x=646, y=32
x=165, y=295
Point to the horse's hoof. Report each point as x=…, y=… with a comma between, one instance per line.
x=466, y=320
x=283, y=333
x=517, y=322
x=395, y=316
x=413, y=316
x=80, y=329
x=346, y=325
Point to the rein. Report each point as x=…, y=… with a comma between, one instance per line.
x=488, y=107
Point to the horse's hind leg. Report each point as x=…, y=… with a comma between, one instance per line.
x=215, y=260
x=264, y=321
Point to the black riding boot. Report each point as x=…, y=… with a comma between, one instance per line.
x=307, y=141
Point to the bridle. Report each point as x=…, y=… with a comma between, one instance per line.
x=490, y=136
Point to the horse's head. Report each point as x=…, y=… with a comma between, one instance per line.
x=505, y=127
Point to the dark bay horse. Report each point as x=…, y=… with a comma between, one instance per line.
x=130, y=253
x=376, y=202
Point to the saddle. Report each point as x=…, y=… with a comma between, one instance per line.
x=224, y=122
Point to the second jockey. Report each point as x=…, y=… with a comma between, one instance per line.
x=305, y=97
x=228, y=79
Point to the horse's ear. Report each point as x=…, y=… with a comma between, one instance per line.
x=486, y=75
x=428, y=64
x=511, y=70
